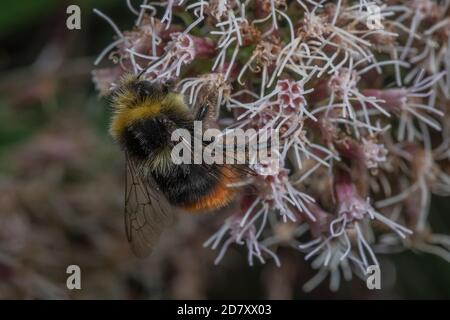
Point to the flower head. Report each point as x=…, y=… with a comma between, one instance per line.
x=361, y=113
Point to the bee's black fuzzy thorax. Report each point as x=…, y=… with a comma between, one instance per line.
x=146, y=136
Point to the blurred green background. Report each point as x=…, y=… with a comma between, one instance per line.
x=61, y=181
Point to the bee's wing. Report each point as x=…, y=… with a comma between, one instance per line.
x=146, y=210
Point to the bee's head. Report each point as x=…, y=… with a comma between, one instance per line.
x=133, y=92
x=146, y=90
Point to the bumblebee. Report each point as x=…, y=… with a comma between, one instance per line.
x=145, y=115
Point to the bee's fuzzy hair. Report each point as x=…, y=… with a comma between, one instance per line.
x=123, y=96
x=129, y=106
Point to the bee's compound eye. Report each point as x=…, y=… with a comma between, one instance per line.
x=144, y=89
x=168, y=86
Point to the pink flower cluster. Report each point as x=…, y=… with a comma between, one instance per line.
x=364, y=117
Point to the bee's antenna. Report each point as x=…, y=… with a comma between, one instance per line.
x=143, y=71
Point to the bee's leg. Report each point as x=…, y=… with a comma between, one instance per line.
x=202, y=112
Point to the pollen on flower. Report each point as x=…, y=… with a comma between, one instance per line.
x=374, y=153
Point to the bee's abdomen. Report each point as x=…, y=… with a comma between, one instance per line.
x=196, y=188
